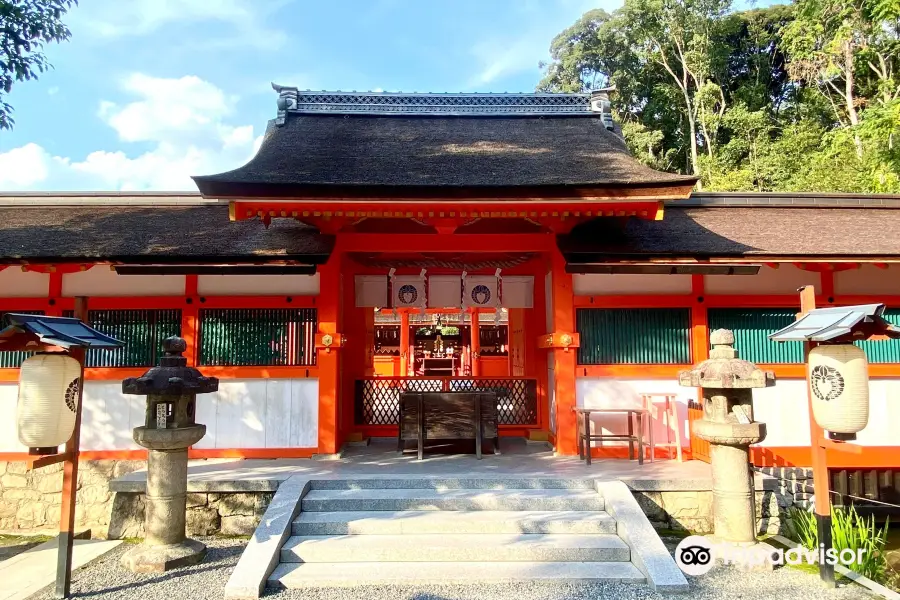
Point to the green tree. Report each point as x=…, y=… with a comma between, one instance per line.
x=25, y=27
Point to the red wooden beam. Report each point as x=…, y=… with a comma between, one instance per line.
x=470, y=242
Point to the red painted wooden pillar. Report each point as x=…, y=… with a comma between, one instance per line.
x=564, y=362
x=476, y=344
x=329, y=363
x=536, y=361
x=404, y=344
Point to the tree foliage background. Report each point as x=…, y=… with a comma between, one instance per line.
x=804, y=96
x=25, y=27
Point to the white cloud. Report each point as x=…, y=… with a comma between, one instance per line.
x=506, y=53
x=110, y=19
x=185, y=121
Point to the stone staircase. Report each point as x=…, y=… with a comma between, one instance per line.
x=444, y=531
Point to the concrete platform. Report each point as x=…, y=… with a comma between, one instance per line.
x=298, y=575
x=380, y=460
x=31, y=571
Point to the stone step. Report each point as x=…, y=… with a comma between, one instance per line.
x=384, y=522
x=348, y=574
x=454, y=483
x=440, y=499
x=483, y=547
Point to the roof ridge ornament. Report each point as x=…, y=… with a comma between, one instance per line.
x=601, y=103
x=287, y=100
x=291, y=99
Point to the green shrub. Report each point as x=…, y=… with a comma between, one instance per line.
x=848, y=531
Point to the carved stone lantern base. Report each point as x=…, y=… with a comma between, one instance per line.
x=146, y=558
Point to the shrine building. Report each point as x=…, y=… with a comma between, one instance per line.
x=380, y=242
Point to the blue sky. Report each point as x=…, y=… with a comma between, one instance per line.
x=149, y=92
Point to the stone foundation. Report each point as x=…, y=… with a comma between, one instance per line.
x=692, y=510
x=796, y=482
x=30, y=502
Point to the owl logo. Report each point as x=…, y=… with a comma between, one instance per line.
x=407, y=294
x=481, y=294
x=827, y=383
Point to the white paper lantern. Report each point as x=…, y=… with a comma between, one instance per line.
x=48, y=394
x=839, y=381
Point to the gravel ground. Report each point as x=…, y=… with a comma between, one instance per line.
x=106, y=579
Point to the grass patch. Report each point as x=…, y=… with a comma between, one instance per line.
x=674, y=533
x=17, y=540
x=228, y=536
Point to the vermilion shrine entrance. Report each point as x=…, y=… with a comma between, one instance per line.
x=441, y=186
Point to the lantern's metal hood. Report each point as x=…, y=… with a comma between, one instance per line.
x=64, y=332
x=838, y=324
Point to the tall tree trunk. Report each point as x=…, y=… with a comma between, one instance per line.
x=849, y=81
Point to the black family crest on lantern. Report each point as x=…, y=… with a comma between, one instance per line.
x=827, y=383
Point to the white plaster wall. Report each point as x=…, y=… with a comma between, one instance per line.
x=371, y=290
x=518, y=291
x=615, y=285
x=444, y=291
x=868, y=279
x=258, y=285
x=784, y=410
x=250, y=413
x=261, y=413
x=9, y=440
x=15, y=283
x=102, y=281
x=783, y=280
x=608, y=392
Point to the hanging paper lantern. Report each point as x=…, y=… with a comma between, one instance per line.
x=48, y=395
x=839, y=382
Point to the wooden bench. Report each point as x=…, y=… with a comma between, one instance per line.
x=448, y=416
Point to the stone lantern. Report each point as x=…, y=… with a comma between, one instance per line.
x=727, y=384
x=169, y=429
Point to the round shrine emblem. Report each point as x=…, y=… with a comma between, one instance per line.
x=481, y=294
x=827, y=383
x=407, y=294
x=72, y=395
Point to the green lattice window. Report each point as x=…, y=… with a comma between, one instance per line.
x=12, y=360
x=143, y=332
x=258, y=337
x=887, y=351
x=752, y=326
x=634, y=336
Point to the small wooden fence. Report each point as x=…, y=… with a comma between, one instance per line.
x=377, y=399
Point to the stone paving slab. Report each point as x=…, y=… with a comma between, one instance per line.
x=431, y=499
x=384, y=522
x=486, y=547
x=29, y=572
x=298, y=575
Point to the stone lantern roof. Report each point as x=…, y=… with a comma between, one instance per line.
x=724, y=369
x=172, y=377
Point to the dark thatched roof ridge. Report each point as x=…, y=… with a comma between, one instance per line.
x=318, y=152
x=733, y=231
x=146, y=234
